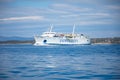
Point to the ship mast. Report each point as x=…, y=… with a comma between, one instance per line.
x=51, y=28
x=73, y=30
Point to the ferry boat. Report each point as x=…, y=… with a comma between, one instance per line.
x=54, y=38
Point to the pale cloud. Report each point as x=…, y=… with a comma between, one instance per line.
x=113, y=7
x=23, y=18
x=97, y=15
x=71, y=15
x=68, y=7
x=6, y=0
x=57, y=11
x=94, y=22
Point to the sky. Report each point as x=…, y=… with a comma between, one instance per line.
x=26, y=18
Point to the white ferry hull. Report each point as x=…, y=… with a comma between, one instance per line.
x=53, y=38
x=60, y=41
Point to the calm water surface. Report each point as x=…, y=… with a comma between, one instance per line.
x=85, y=62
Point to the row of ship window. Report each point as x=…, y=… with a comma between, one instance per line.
x=68, y=40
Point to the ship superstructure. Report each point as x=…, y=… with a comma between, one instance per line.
x=54, y=38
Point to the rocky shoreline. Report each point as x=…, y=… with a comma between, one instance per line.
x=115, y=40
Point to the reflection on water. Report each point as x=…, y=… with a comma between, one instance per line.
x=90, y=62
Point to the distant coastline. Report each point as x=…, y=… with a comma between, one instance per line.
x=17, y=42
x=115, y=40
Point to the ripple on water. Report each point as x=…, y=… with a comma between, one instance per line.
x=107, y=76
x=98, y=77
x=29, y=75
x=33, y=70
x=15, y=71
x=3, y=76
x=21, y=68
x=58, y=78
x=93, y=62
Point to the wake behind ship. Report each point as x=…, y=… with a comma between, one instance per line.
x=54, y=38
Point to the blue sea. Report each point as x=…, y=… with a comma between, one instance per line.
x=64, y=62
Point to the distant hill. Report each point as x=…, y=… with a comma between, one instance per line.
x=2, y=38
